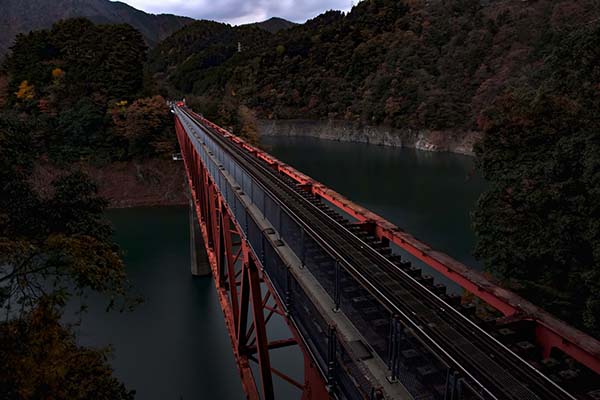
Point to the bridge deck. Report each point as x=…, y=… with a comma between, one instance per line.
x=354, y=272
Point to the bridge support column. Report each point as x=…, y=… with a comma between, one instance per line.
x=200, y=265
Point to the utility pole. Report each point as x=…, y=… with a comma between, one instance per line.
x=239, y=47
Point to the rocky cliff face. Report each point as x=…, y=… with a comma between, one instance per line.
x=461, y=142
x=129, y=184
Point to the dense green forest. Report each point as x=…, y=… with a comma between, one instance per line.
x=539, y=223
x=408, y=64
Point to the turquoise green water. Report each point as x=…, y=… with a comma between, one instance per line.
x=175, y=346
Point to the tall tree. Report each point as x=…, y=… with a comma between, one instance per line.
x=147, y=125
x=52, y=247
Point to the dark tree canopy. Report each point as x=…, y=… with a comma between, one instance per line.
x=406, y=64
x=53, y=246
x=539, y=224
x=100, y=60
x=41, y=360
x=69, y=79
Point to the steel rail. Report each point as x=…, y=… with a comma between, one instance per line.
x=518, y=394
x=487, y=366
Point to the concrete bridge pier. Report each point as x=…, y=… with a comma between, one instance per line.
x=199, y=258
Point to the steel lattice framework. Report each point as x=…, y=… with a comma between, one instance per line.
x=250, y=300
x=240, y=286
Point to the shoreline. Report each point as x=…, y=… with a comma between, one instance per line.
x=126, y=184
x=162, y=182
x=452, y=141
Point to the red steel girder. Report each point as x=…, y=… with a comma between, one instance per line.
x=550, y=331
x=232, y=260
x=262, y=344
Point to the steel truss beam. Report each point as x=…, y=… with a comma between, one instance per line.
x=550, y=333
x=240, y=286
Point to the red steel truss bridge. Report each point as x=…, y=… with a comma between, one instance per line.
x=369, y=323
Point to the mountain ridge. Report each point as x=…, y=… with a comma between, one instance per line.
x=274, y=24
x=405, y=64
x=22, y=16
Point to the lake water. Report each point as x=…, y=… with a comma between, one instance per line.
x=175, y=345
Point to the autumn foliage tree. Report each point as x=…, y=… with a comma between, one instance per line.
x=247, y=125
x=66, y=77
x=26, y=91
x=147, y=125
x=41, y=360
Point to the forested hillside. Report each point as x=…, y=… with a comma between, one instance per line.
x=539, y=223
x=85, y=93
x=274, y=24
x=22, y=16
x=414, y=64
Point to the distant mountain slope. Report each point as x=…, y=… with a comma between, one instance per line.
x=195, y=53
x=275, y=24
x=407, y=64
x=21, y=16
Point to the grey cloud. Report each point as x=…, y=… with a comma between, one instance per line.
x=242, y=11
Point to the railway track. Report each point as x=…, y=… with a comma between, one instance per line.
x=488, y=366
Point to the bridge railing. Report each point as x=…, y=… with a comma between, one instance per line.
x=409, y=360
x=316, y=331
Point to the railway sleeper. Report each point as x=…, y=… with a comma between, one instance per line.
x=425, y=280
x=395, y=258
x=439, y=289
x=412, y=357
x=452, y=299
x=594, y=394
x=386, y=251
x=507, y=335
x=428, y=374
x=404, y=265
x=569, y=378
x=361, y=303
x=381, y=325
x=550, y=365
x=526, y=349
x=414, y=271
x=468, y=309
x=488, y=323
x=371, y=314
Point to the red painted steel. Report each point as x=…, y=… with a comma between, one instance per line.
x=238, y=281
x=551, y=333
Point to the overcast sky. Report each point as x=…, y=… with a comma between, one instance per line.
x=242, y=11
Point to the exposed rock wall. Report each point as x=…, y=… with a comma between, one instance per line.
x=128, y=184
x=461, y=142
